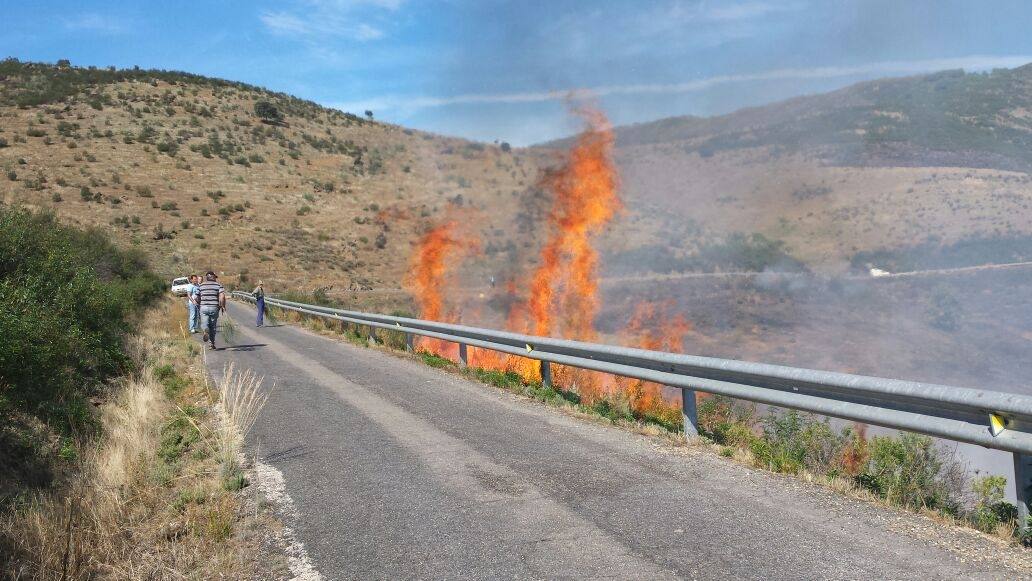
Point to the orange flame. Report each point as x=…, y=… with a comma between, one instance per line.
x=585, y=200
x=563, y=295
x=430, y=277
x=651, y=328
x=563, y=289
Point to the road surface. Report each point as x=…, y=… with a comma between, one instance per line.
x=395, y=470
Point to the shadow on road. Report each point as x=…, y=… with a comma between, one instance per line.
x=290, y=453
x=244, y=347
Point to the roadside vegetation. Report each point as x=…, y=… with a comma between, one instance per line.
x=904, y=470
x=119, y=459
x=67, y=299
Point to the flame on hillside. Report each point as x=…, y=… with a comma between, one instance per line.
x=651, y=327
x=430, y=277
x=559, y=297
x=562, y=292
x=564, y=288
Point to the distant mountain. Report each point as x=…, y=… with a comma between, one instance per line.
x=942, y=119
x=880, y=165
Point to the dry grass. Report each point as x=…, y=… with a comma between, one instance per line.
x=240, y=402
x=149, y=500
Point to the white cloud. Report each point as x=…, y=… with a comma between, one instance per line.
x=971, y=63
x=366, y=32
x=283, y=23
x=95, y=23
x=318, y=20
x=746, y=10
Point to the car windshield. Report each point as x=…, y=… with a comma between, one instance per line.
x=179, y=281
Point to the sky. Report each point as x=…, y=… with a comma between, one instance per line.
x=506, y=70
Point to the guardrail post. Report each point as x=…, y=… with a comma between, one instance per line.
x=689, y=413
x=1023, y=487
x=463, y=358
x=546, y=373
x=410, y=344
x=372, y=335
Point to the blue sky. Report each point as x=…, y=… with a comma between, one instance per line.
x=495, y=69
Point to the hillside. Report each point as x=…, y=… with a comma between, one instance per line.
x=886, y=164
x=181, y=167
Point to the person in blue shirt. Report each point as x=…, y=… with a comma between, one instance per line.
x=191, y=292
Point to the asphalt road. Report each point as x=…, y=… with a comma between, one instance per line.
x=395, y=470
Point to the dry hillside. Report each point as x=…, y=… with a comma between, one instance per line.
x=183, y=168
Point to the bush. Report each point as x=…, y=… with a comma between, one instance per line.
x=267, y=111
x=793, y=441
x=66, y=299
x=908, y=470
x=991, y=510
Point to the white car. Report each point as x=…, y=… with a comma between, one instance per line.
x=180, y=285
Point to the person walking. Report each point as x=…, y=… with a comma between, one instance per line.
x=191, y=290
x=211, y=300
x=259, y=301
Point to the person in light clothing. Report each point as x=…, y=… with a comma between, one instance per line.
x=191, y=290
x=259, y=301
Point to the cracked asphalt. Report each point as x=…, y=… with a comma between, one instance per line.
x=401, y=471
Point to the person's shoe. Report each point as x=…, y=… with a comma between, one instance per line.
x=213, y=347
x=205, y=339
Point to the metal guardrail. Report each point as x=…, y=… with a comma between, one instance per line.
x=991, y=419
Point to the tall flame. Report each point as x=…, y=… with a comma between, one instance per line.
x=564, y=288
x=430, y=276
x=562, y=291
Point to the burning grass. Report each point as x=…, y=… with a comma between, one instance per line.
x=149, y=498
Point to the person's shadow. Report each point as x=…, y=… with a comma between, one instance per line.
x=245, y=347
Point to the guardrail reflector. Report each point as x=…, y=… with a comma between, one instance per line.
x=997, y=424
x=529, y=348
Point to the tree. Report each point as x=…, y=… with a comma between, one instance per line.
x=506, y=147
x=369, y=114
x=267, y=111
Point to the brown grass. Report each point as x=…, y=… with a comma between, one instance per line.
x=240, y=402
x=129, y=514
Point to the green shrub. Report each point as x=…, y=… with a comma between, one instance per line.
x=793, y=441
x=991, y=510
x=907, y=470
x=66, y=300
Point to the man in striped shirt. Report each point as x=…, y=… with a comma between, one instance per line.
x=210, y=298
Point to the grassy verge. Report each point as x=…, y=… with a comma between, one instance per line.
x=905, y=470
x=157, y=494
